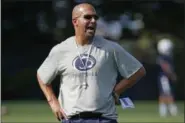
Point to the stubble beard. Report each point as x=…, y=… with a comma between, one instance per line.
x=90, y=35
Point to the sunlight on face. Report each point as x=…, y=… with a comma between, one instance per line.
x=86, y=21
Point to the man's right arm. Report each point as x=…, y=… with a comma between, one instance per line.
x=51, y=99
x=47, y=90
x=45, y=75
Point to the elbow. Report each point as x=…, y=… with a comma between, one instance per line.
x=142, y=72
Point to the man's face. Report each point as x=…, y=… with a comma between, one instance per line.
x=86, y=22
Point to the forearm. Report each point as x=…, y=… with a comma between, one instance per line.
x=123, y=85
x=52, y=100
x=127, y=83
x=47, y=90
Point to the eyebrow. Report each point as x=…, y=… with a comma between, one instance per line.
x=84, y=15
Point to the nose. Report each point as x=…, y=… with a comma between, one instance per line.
x=93, y=20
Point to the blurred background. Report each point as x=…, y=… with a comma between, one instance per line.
x=31, y=28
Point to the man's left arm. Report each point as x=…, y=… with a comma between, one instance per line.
x=129, y=82
x=129, y=67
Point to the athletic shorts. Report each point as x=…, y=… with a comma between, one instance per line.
x=165, y=85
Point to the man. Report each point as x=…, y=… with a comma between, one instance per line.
x=166, y=77
x=88, y=66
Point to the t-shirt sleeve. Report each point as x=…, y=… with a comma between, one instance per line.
x=126, y=64
x=49, y=68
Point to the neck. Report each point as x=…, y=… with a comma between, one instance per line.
x=82, y=40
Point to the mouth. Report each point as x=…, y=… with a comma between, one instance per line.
x=91, y=28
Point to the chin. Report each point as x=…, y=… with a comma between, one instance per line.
x=90, y=36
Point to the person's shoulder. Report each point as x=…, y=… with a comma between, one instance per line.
x=163, y=57
x=107, y=43
x=63, y=45
x=166, y=58
x=67, y=42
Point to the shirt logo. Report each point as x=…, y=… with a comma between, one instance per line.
x=77, y=62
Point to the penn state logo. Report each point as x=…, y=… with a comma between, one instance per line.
x=77, y=62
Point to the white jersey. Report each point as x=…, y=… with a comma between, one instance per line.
x=105, y=60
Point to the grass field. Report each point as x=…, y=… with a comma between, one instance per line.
x=39, y=111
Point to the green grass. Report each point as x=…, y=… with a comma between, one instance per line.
x=39, y=111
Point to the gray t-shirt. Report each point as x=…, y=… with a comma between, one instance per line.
x=105, y=59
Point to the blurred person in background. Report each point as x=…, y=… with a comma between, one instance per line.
x=166, y=77
x=88, y=66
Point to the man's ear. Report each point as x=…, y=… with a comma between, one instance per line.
x=74, y=21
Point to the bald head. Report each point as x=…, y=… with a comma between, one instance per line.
x=84, y=19
x=80, y=9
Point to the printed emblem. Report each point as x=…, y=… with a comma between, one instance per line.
x=77, y=62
